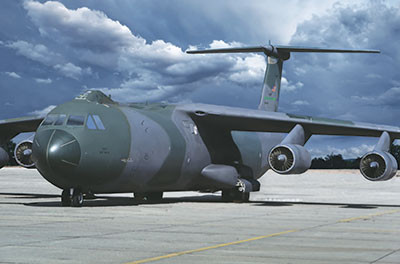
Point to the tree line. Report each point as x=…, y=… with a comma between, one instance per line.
x=336, y=161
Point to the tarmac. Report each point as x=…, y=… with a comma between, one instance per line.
x=322, y=216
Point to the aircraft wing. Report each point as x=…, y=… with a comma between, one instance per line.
x=9, y=128
x=242, y=119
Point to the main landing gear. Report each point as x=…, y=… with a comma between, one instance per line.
x=72, y=197
x=237, y=194
x=149, y=196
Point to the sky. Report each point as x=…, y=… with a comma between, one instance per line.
x=52, y=51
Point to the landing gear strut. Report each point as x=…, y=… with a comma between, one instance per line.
x=72, y=197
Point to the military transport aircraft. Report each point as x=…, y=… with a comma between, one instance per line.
x=93, y=144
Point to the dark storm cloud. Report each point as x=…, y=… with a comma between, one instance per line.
x=155, y=70
x=362, y=87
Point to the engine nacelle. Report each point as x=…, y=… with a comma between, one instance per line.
x=289, y=159
x=3, y=157
x=23, y=154
x=378, y=166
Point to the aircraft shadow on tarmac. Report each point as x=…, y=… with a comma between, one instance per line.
x=105, y=201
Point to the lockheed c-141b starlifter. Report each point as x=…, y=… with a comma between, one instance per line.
x=93, y=144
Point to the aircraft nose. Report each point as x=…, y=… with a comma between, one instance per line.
x=63, y=153
x=57, y=149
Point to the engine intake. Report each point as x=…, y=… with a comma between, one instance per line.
x=3, y=157
x=289, y=159
x=23, y=154
x=378, y=166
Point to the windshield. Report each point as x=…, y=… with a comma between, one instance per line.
x=75, y=120
x=50, y=119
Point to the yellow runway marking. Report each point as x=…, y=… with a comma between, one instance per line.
x=366, y=217
x=176, y=254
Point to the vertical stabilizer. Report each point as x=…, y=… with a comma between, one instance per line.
x=272, y=85
x=276, y=55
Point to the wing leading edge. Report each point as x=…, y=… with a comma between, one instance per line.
x=241, y=119
x=9, y=128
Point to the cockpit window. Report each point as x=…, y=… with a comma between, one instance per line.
x=94, y=122
x=98, y=122
x=75, y=120
x=60, y=120
x=90, y=123
x=49, y=120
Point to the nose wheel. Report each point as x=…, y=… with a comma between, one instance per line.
x=72, y=197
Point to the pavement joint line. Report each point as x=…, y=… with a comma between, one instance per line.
x=366, y=217
x=176, y=254
x=384, y=256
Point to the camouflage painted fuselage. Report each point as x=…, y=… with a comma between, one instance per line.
x=142, y=148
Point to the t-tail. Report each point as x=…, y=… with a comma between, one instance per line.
x=276, y=55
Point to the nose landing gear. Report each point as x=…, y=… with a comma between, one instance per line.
x=72, y=197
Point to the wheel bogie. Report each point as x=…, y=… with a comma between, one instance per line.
x=234, y=195
x=72, y=198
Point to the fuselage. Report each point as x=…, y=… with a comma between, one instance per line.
x=99, y=146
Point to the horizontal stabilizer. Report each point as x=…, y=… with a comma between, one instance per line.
x=280, y=51
x=229, y=50
x=314, y=49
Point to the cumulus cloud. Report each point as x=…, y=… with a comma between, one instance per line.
x=361, y=86
x=347, y=153
x=159, y=70
x=13, y=75
x=249, y=69
x=389, y=97
x=70, y=70
x=42, y=112
x=44, y=81
x=288, y=86
x=42, y=54
x=80, y=27
x=300, y=102
x=34, y=52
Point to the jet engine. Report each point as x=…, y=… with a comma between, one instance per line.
x=378, y=166
x=23, y=154
x=289, y=159
x=3, y=157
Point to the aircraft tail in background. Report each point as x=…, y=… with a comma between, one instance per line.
x=276, y=55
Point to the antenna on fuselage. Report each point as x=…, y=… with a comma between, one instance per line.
x=276, y=55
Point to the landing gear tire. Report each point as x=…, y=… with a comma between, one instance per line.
x=65, y=198
x=234, y=195
x=154, y=196
x=139, y=197
x=149, y=196
x=77, y=198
